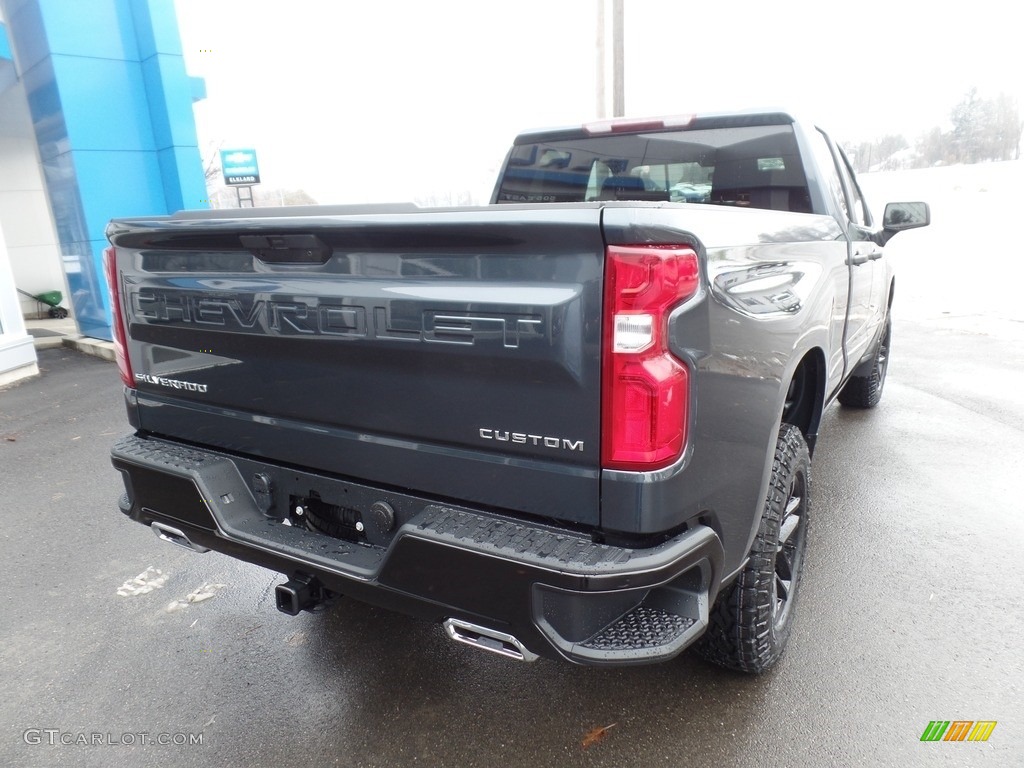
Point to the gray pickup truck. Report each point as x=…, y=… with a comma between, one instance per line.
x=574, y=423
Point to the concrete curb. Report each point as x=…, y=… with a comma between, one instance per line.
x=48, y=342
x=50, y=333
x=94, y=347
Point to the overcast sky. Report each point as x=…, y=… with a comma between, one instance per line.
x=392, y=99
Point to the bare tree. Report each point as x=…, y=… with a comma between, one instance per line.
x=933, y=148
x=1007, y=128
x=211, y=165
x=967, y=120
x=986, y=129
x=876, y=155
x=982, y=130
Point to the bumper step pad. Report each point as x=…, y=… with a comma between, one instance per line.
x=516, y=541
x=643, y=627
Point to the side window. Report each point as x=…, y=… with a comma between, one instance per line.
x=827, y=167
x=840, y=180
x=598, y=173
x=861, y=214
x=856, y=209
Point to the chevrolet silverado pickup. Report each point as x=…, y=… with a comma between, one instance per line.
x=574, y=423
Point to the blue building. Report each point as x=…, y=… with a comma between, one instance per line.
x=96, y=121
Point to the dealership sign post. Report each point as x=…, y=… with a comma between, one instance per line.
x=240, y=170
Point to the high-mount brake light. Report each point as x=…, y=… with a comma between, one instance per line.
x=645, y=388
x=117, y=321
x=633, y=125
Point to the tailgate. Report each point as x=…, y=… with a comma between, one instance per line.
x=451, y=353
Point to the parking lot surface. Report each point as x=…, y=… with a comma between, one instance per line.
x=910, y=612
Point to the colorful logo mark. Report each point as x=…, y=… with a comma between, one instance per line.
x=958, y=730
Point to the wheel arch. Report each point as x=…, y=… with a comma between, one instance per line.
x=805, y=395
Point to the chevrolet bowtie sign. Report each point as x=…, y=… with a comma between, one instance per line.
x=239, y=167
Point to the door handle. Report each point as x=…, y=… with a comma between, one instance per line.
x=862, y=257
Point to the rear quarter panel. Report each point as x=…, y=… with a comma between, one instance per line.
x=775, y=291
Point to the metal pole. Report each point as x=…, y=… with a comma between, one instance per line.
x=618, y=55
x=602, y=64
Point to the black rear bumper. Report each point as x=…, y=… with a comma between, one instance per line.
x=556, y=592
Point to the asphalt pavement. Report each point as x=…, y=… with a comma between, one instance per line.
x=910, y=611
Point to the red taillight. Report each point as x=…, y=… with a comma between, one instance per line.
x=645, y=388
x=117, y=317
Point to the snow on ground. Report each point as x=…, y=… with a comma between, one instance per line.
x=968, y=266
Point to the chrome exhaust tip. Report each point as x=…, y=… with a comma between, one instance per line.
x=173, y=535
x=488, y=640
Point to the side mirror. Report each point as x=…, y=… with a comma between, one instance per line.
x=900, y=216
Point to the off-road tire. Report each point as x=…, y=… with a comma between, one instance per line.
x=751, y=620
x=866, y=391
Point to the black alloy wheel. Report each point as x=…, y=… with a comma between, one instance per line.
x=751, y=620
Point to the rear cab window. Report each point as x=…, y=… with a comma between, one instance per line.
x=756, y=166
